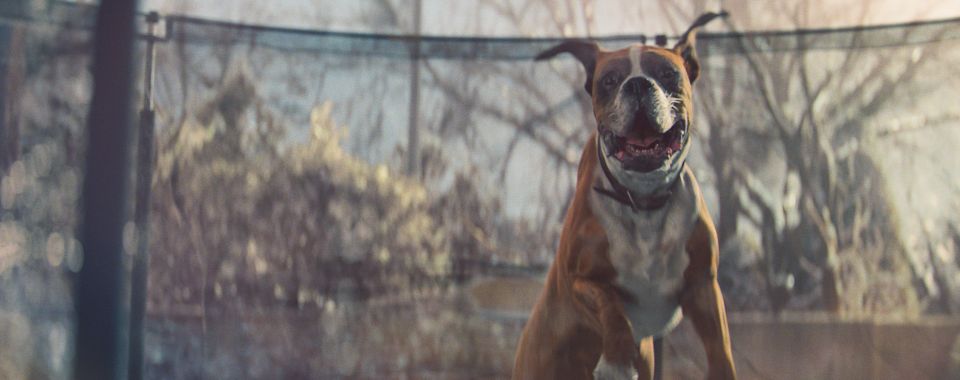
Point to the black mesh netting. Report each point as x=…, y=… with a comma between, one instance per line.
x=296, y=232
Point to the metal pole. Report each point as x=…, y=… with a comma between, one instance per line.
x=413, y=133
x=101, y=335
x=141, y=211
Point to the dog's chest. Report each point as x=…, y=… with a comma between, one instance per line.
x=648, y=251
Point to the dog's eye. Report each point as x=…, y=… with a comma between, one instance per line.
x=610, y=80
x=668, y=74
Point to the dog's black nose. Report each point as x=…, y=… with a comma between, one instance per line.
x=638, y=86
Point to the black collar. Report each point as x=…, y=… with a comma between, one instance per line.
x=622, y=194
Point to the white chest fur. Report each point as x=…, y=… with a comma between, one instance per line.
x=648, y=250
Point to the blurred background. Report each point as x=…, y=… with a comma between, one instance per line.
x=375, y=189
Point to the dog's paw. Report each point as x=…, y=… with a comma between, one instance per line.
x=609, y=371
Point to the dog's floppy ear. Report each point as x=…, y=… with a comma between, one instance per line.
x=687, y=46
x=585, y=51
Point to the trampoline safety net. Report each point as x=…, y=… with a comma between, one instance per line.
x=348, y=205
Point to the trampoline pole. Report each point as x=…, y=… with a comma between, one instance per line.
x=141, y=210
x=101, y=315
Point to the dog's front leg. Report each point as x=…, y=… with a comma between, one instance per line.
x=610, y=322
x=702, y=301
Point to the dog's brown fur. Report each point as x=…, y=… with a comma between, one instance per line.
x=580, y=317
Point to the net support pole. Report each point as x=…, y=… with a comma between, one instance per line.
x=101, y=315
x=141, y=210
x=413, y=119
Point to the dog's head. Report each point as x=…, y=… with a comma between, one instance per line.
x=642, y=100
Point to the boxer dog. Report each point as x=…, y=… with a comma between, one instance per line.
x=638, y=247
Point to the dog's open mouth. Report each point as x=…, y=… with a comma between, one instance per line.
x=648, y=152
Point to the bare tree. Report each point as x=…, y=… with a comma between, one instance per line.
x=828, y=216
